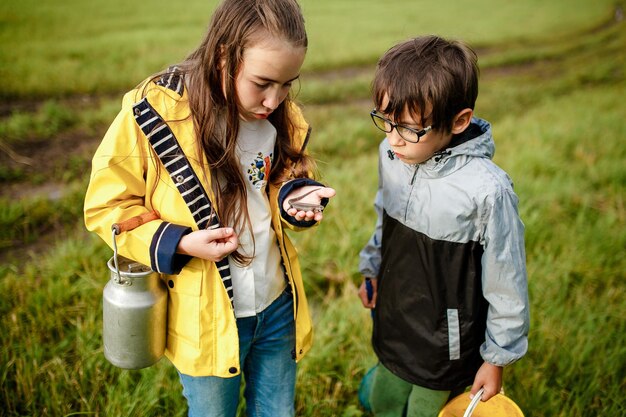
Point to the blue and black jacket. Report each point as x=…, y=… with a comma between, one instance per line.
x=448, y=253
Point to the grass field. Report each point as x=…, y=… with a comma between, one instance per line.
x=553, y=84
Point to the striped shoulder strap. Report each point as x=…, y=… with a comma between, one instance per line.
x=172, y=79
x=168, y=149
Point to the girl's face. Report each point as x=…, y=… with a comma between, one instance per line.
x=265, y=76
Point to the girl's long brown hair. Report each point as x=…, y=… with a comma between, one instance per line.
x=210, y=72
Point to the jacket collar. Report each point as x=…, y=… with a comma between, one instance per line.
x=475, y=142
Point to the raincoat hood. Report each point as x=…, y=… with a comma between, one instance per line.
x=475, y=142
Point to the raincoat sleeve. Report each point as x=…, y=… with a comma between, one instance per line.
x=504, y=282
x=302, y=135
x=370, y=256
x=285, y=190
x=117, y=191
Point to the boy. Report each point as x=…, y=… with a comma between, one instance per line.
x=446, y=261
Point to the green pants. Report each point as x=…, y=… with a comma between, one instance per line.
x=392, y=396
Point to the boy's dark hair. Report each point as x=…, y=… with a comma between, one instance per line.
x=425, y=72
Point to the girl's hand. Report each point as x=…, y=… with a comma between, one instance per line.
x=311, y=196
x=363, y=293
x=489, y=377
x=213, y=245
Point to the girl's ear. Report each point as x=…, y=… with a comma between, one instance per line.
x=462, y=120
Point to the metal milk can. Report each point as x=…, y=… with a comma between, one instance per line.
x=134, y=313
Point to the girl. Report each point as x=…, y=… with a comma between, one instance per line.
x=216, y=140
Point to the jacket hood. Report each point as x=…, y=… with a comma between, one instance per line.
x=475, y=142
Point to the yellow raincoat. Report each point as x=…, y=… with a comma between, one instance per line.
x=128, y=180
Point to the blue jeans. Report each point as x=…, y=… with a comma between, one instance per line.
x=266, y=342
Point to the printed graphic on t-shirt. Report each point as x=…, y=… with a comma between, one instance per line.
x=259, y=170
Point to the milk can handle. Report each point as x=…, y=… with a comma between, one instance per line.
x=472, y=405
x=125, y=226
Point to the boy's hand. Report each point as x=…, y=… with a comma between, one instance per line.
x=307, y=198
x=368, y=302
x=213, y=245
x=489, y=377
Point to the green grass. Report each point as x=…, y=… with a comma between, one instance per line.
x=552, y=88
x=26, y=220
x=49, y=120
x=344, y=35
x=110, y=45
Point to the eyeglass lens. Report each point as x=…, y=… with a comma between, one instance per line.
x=382, y=124
x=386, y=126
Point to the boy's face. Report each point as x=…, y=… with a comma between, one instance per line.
x=429, y=144
x=416, y=153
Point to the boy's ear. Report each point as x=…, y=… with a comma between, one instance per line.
x=462, y=120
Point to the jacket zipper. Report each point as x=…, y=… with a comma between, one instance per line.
x=411, y=182
x=292, y=282
x=294, y=291
x=417, y=167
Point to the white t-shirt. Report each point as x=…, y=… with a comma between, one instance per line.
x=255, y=286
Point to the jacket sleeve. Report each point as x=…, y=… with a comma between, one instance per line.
x=285, y=190
x=504, y=282
x=302, y=136
x=370, y=255
x=117, y=191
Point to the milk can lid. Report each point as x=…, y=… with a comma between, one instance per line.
x=129, y=268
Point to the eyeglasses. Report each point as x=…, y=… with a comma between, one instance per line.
x=407, y=133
